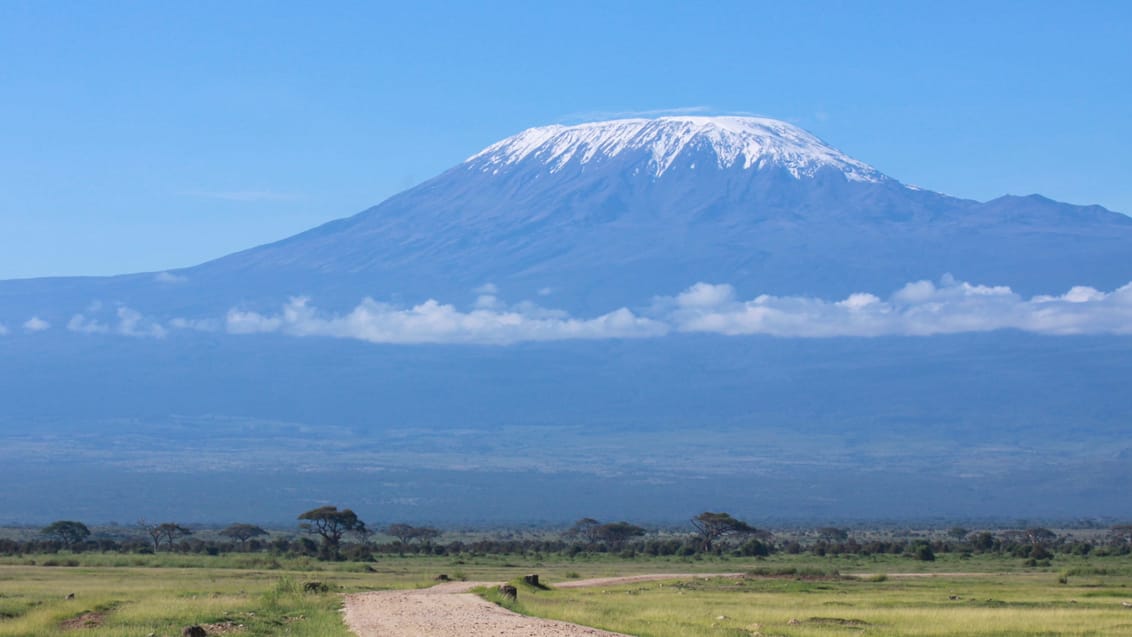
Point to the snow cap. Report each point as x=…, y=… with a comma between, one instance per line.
x=750, y=142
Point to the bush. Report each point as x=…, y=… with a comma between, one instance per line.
x=923, y=552
x=357, y=553
x=754, y=548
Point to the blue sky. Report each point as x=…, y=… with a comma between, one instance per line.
x=150, y=135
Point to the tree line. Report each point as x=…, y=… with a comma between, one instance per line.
x=330, y=533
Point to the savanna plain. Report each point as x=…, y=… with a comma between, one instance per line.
x=799, y=586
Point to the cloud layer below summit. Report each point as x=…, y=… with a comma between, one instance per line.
x=921, y=308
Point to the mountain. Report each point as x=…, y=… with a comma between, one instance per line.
x=611, y=214
x=715, y=242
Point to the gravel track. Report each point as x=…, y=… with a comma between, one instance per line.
x=451, y=609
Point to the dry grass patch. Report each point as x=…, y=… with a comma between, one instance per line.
x=86, y=620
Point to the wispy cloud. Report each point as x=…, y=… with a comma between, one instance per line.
x=434, y=322
x=199, y=325
x=36, y=324
x=169, y=278
x=921, y=308
x=83, y=325
x=129, y=322
x=132, y=323
x=487, y=288
x=3, y=329
x=241, y=195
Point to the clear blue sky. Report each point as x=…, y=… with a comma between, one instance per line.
x=153, y=135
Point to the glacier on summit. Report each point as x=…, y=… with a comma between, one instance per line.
x=749, y=142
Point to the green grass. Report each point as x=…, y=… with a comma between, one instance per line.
x=121, y=602
x=1002, y=604
x=135, y=595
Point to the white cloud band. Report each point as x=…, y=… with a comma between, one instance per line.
x=921, y=308
x=433, y=322
x=36, y=324
x=918, y=309
x=129, y=322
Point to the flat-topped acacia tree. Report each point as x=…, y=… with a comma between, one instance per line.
x=170, y=532
x=711, y=526
x=243, y=532
x=330, y=524
x=67, y=532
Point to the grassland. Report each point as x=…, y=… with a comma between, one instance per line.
x=129, y=595
x=985, y=597
x=133, y=601
x=118, y=595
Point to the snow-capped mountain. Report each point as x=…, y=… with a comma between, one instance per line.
x=211, y=372
x=610, y=214
x=746, y=142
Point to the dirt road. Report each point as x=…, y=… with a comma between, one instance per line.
x=450, y=609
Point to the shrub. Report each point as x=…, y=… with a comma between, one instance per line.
x=922, y=551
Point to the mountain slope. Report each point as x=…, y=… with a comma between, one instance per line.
x=610, y=214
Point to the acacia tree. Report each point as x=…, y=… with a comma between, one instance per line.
x=330, y=524
x=243, y=532
x=403, y=532
x=617, y=533
x=982, y=541
x=426, y=534
x=363, y=532
x=585, y=529
x=712, y=527
x=153, y=531
x=171, y=532
x=167, y=531
x=406, y=533
x=66, y=532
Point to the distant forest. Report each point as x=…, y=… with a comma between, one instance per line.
x=329, y=533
